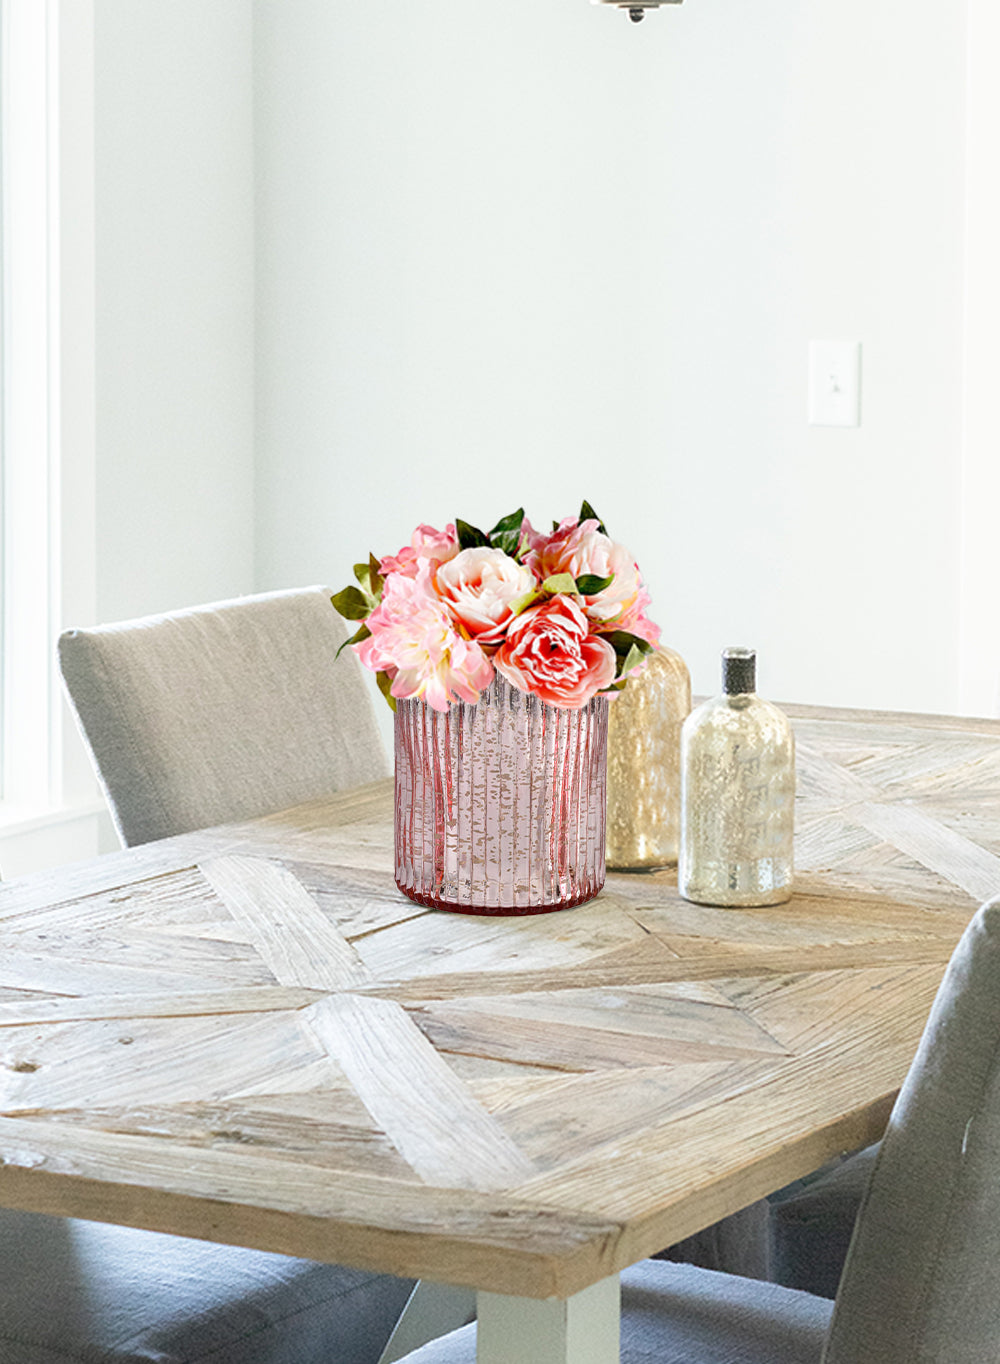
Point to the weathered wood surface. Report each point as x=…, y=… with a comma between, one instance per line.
x=248, y=1034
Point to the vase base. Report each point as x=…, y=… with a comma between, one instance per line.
x=663, y=864
x=431, y=902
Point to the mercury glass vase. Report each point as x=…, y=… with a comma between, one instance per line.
x=644, y=764
x=737, y=795
x=500, y=806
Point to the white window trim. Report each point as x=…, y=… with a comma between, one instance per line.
x=49, y=549
x=979, y=619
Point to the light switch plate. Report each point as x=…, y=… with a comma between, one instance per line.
x=834, y=383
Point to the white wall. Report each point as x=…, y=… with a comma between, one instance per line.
x=174, y=303
x=528, y=252
x=157, y=347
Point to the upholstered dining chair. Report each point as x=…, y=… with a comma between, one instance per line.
x=810, y=1224
x=922, y=1279
x=193, y=718
x=221, y=712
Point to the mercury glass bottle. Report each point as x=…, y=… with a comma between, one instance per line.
x=737, y=795
x=644, y=764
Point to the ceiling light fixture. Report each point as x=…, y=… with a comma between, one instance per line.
x=637, y=8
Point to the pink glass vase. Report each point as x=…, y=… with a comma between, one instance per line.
x=500, y=806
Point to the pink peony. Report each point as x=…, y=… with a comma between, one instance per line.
x=580, y=548
x=414, y=639
x=436, y=546
x=480, y=586
x=550, y=652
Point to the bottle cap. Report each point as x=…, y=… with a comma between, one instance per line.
x=739, y=671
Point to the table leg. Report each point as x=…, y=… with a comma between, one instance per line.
x=582, y=1329
x=432, y=1310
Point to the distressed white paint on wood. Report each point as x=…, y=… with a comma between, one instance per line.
x=111, y=872
x=935, y=846
x=145, y=1060
x=48, y=973
x=473, y=943
x=604, y=1107
x=639, y=1012
x=426, y=1111
x=589, y=1039
x=290, y=932
x=177, y=1004
x=583, y=1329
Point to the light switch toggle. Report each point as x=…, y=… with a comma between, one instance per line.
x=834, y=383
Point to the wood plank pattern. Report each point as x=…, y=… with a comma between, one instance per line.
x=295, y=940
x=248, y=1034
x=172, y=1004
x=446, y=1135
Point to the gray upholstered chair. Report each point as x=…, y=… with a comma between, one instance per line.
x=922, y=1280
x=740, y=1244
x=221, y=712
x=74, y=1292
x=194, y=718
x=810, y=1224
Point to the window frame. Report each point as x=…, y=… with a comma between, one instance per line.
x=49, y=804
x=28, y=386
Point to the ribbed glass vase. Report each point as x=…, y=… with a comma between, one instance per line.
x=501, y=805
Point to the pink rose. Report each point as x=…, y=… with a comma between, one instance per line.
x=415, y=640
x=436, y=546
x=579, y=548
x=480, y=586
x=552, y=551
x=635, y=621
x=550, y=652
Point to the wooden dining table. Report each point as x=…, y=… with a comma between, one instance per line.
x=247, y=1034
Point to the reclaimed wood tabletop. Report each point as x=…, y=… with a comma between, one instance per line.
x=247, y=1034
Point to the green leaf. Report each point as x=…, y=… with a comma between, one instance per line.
x=384, y=684
x=587, y=513
x=371, y=582
x=363, y=633
x=469, y=537
x=621, y=641
x=352, y=604
x=589, y=584
x=506, y=534
x=631, y=660
x=375, y=579
x=559, y=582
x=520, y=604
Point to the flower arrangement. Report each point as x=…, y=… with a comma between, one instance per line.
x=560, y=615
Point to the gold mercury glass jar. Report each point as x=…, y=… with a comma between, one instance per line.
x=644, y=750
x=737, y=795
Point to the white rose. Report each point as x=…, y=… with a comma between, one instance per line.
x=480, y=586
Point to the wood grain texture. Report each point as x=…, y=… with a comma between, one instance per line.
x=414, y=1097
x=248, y=1034
x=292, y=936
